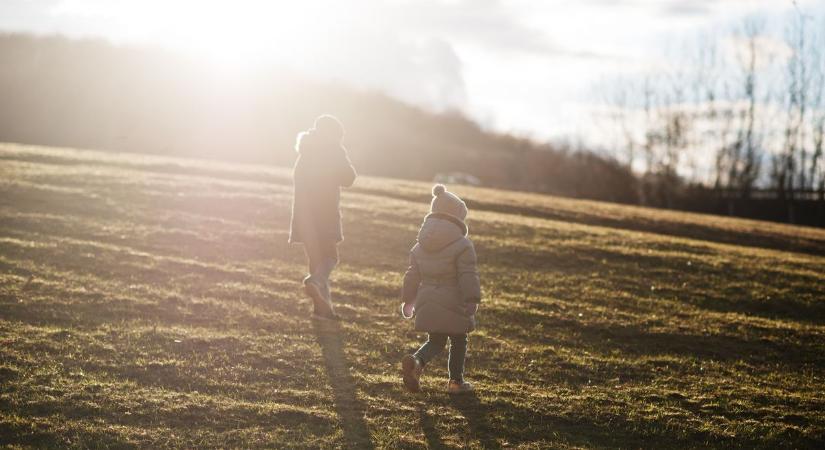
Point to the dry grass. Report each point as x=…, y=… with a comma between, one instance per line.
x=150, y=302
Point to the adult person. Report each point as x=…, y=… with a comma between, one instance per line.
x=321, y=170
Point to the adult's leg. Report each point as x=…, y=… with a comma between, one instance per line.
x=312, y=259
x=327, y=260
x=316, y=284
x=312, y=247
x=322, y=257
x=458, y=351
x=434, y=345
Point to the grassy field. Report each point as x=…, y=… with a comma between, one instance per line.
x=153, y=302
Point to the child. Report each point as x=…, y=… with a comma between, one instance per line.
x=322, y=168
x=442, y=290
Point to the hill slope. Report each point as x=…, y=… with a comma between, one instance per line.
x=90, y=94
x=149, y=301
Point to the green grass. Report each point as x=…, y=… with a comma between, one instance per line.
x=152, y=302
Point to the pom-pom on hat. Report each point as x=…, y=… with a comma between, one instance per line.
x=446, y=202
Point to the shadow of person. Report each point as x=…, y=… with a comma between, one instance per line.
x=476, y=414
x=428, y=426
x=350, y=410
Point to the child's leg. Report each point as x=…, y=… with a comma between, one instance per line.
x=434, y=345
x=458, y=350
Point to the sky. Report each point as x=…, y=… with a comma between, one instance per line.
x=532, y=68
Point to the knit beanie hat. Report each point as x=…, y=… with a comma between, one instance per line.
x=329, y=126
x=447, y=203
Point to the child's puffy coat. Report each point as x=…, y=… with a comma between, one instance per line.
x=442, y=277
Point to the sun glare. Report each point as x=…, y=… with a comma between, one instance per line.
x=230, y=33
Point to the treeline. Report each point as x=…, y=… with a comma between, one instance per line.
x=91, y=94
x=736, y=120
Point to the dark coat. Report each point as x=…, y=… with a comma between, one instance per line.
x=322, y=168
x=442, y=277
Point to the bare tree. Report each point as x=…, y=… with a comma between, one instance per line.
x=789, y=165
x=816, y=175
x=747, y=145
x=762, y=113
x=619, y=96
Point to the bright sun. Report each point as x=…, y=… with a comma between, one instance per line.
x=232, y=33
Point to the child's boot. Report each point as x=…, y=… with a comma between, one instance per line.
x=411, y=370
x=459, y=387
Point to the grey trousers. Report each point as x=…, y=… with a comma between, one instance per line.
x=458, y=351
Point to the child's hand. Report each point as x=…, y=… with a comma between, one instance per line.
x=407, y=310
x=471, y=308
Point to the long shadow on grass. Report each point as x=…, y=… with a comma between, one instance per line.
x=472, y=409
x=641, y=223
x=688, y=279
x=428, y=426
x=349, y=408
x=540, y=426
x=476, y=414
x=637, y=339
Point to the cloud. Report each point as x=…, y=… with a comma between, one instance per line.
x=486, y=23
x=413, y=49
x=683, y=8
x=686, y=8
x=25, y=15
x=426, y=72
